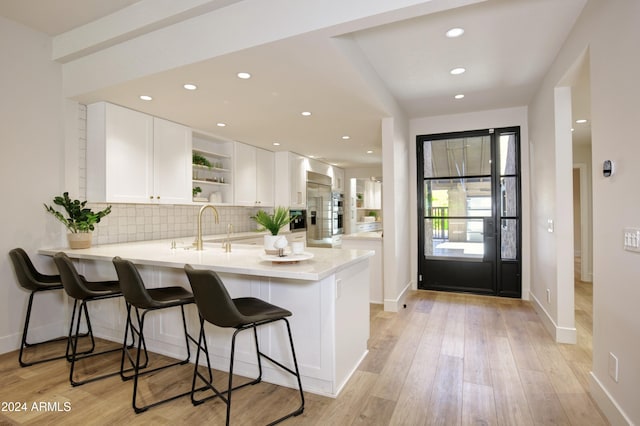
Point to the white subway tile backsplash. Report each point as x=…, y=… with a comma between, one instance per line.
x=135, y=222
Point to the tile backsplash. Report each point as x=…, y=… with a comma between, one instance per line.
x=141, y=222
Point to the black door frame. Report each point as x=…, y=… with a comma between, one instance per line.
x=505, y=273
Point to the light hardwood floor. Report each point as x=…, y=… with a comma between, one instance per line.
x=447, y=359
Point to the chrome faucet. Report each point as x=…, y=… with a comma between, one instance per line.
x=227, y=244
x=199, y=243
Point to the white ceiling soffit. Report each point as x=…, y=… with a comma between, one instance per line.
x=55, y=17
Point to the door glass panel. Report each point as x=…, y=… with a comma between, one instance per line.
x=508, y=154
x=458, y=197
x=509, y=239
x=457, y=157
x=509, y=196
x=455, y=238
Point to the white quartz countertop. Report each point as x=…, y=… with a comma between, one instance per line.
x=371, y=235
x=243, y=259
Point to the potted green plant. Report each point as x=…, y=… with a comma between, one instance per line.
x=80, y=220
x=197, y=190
x=200, y=160
x=273, y=223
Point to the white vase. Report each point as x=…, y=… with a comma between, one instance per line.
x=79, y=240
x=270, y=243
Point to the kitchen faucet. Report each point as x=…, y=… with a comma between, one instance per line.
x=227, y=244
x=199, y=243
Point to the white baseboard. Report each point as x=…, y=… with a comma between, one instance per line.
x=560, y=334
x=11, y=342
x=394, y=305
x=612, y=411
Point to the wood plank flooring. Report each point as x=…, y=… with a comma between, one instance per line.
x=447, y=359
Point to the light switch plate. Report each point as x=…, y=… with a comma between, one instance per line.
x=631, y=240
x=613, y=366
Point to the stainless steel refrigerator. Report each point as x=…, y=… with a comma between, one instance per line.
x=319, y=210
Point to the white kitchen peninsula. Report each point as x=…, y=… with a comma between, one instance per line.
x=328, y=296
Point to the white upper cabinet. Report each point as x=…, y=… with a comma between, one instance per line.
x=337, y=181
x=372, y=195
x=335, y=173
x=171, y=162
x=254, y=176
x=136, y=158
x=265, y=164
x=291, y=180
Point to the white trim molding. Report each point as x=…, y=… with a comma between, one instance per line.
x=560, y=334
x=612, y=411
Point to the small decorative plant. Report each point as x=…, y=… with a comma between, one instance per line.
x=272, y=222
x=199, y=160
x=197, y=190
x=79, y=218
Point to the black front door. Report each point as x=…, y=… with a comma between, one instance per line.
x=469, y=212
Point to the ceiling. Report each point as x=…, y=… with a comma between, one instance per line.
x=507, y=48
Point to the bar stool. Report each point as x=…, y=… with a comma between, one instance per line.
x=83, y=291
x=34, y=282
x=217, y=307
x=148, y=300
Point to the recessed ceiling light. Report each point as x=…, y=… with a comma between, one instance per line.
x=221, y=124
x=454, y=32
x=190, y=86
x=244, y=75
x=346, y=137
x=146, y=97
x=581, y=121
x=460, y=96
x=573, y=130
x=306, y=113
x=276, y=144
x=457, y=71
x=312, y=156
x=369, y=152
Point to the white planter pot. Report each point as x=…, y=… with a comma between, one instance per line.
x=79, y=240
x=270, y=245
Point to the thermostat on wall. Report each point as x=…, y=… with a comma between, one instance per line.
x=607, y=168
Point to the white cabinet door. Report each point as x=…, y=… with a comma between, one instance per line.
x=244, y=187
x=264, y=177
x=372, y=195
x=337, y=182
x=171, y=162
x=254, y=176
x=135, y=158
x=298, y=167
x=119, y=154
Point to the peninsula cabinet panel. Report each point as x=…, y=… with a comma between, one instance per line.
x=133, y=157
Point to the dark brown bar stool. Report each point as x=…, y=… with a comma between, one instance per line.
x=217, y=307
x=148, y=300
x=83, y=291
x=34, y=282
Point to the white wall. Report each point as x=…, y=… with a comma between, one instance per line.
x=396, y=214
x=31, y=171
x=582, y=161
x=609, y=30
x=474, y=121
